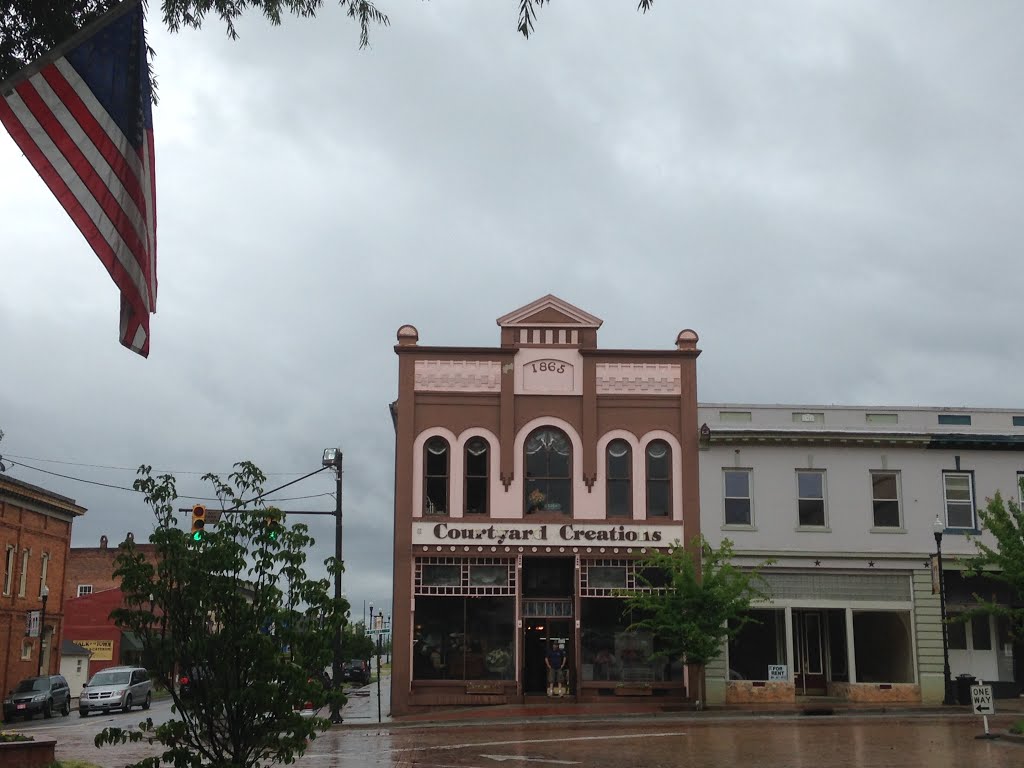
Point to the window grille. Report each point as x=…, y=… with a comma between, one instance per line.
x=591, y=584
x=476, y=576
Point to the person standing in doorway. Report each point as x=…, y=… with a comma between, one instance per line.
x=554, y=660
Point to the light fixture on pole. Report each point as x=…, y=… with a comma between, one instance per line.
x=44, y=593
x=381, y=617
x=947, y=682
x=333, y=458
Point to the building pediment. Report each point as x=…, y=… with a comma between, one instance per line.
x=549, y=311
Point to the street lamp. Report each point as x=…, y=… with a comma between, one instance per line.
x=45, y=593
x=333, y=458
x=381, y=617
x=939, y=527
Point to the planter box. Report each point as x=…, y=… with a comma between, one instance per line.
x=27, y=754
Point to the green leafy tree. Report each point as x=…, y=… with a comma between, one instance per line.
x=692, y=610
x=29, y=28
x=1003, y=562
x=237, y=613
x=355, y=643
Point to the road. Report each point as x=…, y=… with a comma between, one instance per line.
x=693, y=740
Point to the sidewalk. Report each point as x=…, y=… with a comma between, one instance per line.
x=624, y=709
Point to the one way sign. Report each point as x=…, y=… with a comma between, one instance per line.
x=981, y=698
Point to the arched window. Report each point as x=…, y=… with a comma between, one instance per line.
x=659, y=479
x=478, y=464
x=436, y=463
x=618, y=479
x=548, y=462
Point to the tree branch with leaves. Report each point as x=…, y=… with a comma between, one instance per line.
x=696, y=600
x=237, y=613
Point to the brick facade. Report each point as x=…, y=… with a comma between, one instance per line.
x=93, y=567
x=35, y=537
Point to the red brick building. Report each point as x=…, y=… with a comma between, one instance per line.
x=92, y=593
x=35, y=538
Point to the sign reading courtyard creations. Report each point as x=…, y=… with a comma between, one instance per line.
x=576, y=533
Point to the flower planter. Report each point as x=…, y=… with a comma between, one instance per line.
x=27, y=754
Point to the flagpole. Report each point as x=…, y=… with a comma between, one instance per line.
x=59, y=50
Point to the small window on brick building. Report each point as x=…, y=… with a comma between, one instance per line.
x=9, y=570
x=42, y=572
x=23, y=582
x=84, y=589
x=26, y=650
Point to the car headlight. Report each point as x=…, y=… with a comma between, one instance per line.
x=39, y=697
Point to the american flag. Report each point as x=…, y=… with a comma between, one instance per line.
x=83, y=117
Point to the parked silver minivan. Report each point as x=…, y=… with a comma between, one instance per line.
x=116, y=688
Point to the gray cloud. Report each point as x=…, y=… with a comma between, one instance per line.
x=828, y=194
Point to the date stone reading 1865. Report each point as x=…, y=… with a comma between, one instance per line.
x=548, y=375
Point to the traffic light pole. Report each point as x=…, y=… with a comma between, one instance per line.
x=336, y=668
x=336, y=462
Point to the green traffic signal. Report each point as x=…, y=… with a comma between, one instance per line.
x=198, y=522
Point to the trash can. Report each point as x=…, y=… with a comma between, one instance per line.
x=963, y=688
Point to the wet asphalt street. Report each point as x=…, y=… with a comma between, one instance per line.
x=700, y=740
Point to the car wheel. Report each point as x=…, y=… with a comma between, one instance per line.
x=82, y=713
x=66, y=709
x=48, y=710
x=127, y=704
x=148, y=701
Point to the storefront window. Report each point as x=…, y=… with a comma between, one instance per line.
x=442, y=575
x=758, y=645
x=611, y=652
x=884, y=647
x=464, y=638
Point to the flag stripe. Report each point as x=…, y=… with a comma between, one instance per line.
x=82, y=115
x=149, y=164
x=88, y=111
x=79, y=204
x=91, y=167
x=117, y=153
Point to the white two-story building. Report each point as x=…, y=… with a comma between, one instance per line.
x=844, y=501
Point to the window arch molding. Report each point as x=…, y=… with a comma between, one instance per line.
x=676, y=475
x=515, y=490
x=493, y=469
x=418, y=468
x=600, y=489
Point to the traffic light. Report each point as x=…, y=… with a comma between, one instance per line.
x=198, y=522
x=273, y=527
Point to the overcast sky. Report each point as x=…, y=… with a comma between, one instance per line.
x=828, y=193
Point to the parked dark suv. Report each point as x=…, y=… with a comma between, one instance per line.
x=46, y=694
x=356, y=671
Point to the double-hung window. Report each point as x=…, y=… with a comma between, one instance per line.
x=885, y=499
x=810, y=485
x=9, y=570
x=436, y=467
x=618, y=483
x=738, y=501
x=958, y=496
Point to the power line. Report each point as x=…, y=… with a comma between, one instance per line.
x=132, y=490
x=132, y=469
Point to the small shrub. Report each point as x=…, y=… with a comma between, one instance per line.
x=1017, y=727
x=6, y=737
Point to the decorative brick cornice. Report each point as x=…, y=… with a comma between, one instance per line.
x=638, y=379
x=458, y=376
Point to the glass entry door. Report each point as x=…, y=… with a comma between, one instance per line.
x=538, y=635
x=809, y=647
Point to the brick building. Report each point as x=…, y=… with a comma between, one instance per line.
x=35, y=538
x=91, y=569
x=92, y=593
x=530, y=478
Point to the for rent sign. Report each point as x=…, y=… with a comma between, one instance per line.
x=498, y=534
